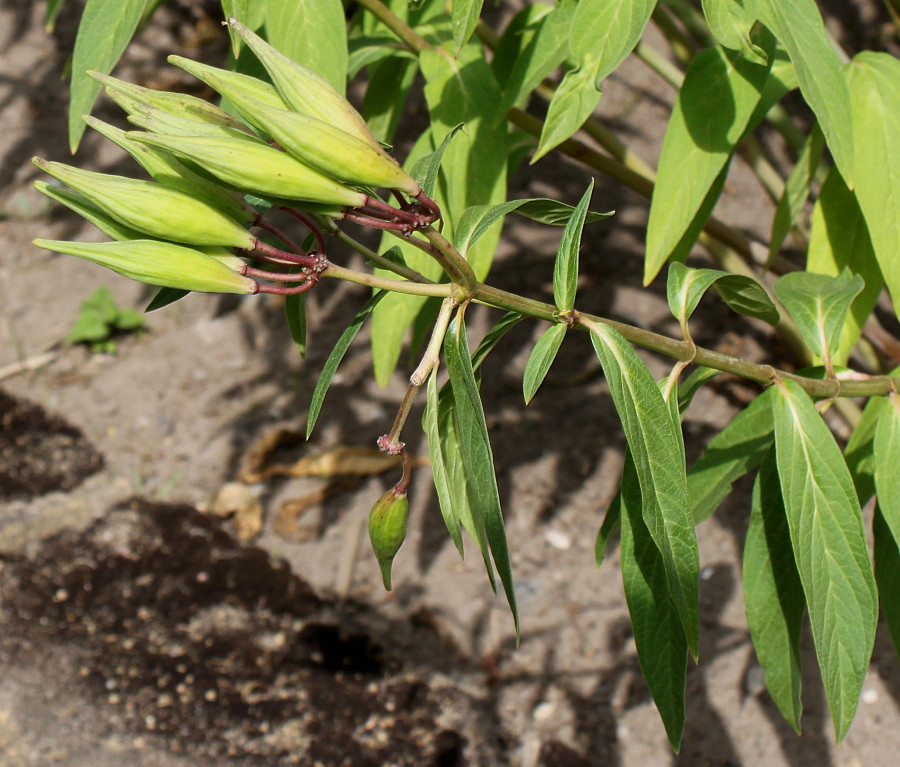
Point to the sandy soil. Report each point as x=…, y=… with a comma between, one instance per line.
x=136, y=631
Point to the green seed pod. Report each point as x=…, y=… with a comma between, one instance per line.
x=152, y=208
x=172, y=172
x=303, y=90
x=251, y=86
x=159, y=263
x=255, y=167
x=87, y=210
x=387, y=529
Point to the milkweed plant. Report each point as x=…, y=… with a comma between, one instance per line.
x=247, y=197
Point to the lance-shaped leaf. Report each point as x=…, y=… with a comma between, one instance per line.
x=658, y=630
x=334, y=359
x=819, y=305
x=734, y=451
x=773, y=593
x=164, y=297
x=295, y=314
x=574, y=101
x=860, y=452
x=655, y=443
x=506, y=323
x=875, y=94
x=475, y=450
x=685, y=287
x=799, y=26
x=385, y=99
x=830, y=548
x=426, y=169
x=720, y=92
x=887, y=573
x=565, y=268
x=516, y=37
x=604, y=32
x=541, y=358
x=464, y=16
x=886, y=448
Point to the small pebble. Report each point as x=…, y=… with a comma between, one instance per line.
x=558, y=539
x=869, y=695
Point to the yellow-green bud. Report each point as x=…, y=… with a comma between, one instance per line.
x=387, y=529
x=152, y=208
x=255, y=167
x=251, y=86
x=87, y=210
x=303, y=90
x=159, y=263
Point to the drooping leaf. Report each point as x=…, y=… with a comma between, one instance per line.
x=104, y=32
x=819, y=305
x=887, y=573
x=493, y=336
x=720, y=92
x=773, y=593
x=658, y=631
x=886, y=450
x=840, y=240
x=389, y=84
x=295, y=313
x=164, y=297
x=730, y=21
x=541, y=358
x=334, y=359
x=464, y=14
x=830, y=548
x=874, y=79
x=734, y=451
x=574, y=101
x=476, y=454
x=565, y=269
x=658, y=455
x=799, y=26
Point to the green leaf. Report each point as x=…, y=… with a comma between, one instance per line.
x=565, y=268
x=517, y=35
x=874, y=80
x=830, y=548
x=886, y=449
x=503, y=326
x=574, y=101
x=720, y=92
x=479, y=218
x=799, y=26
x=612, y=521
x=692, y=385
x=860, y=451
x=887, y=573
x=475, y=450
x=658, y=631
x=129, y=319
x=104, y=32
x=426, y=169
x=819, y=305
x=295, y=312
x=730, y=21
x=839, y=240
x=541, y=358
x=240, y=10
x=604, y=32
x=464, y=15
x=796, y=190
x=334, y=359
x=655, y=443
x=50, y=15
x=773, y=593
x=389, y=84
x=369, y=50
x=164, y=297
x=734, y=451
x=313, y=33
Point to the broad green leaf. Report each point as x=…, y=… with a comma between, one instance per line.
x=479, y=218
x=819, y=305
x=464, y=14
x=334, y=359
x=475, y=450
x=773, y=593
x=295, y=313
x=840, y=240
x=503, y=326
x=426, y=169
x=875, y=94
x=730, y=21
x=164, y=297
x=541, y=358
x=50, y=15
x=685, y=287
x=104, y=32
x=389, y=84
x=658, y=631
x=860, y=451
x=799, y=26
x=604, y=32
x=796, y=190
x=574, y=101
x=655, y=444
x=830, y=548
x=734, y=451
x=565, y=268
x=720, y=92
x=313, y=33
x=886, y=450
x=887, y=574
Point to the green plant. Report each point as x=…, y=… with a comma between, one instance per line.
x=100, y=320
x=806, y=550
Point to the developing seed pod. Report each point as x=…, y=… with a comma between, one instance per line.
x=303, y=90
x=159, y=263
x=387, y=529
x=87, y=210
x=152, y=208
x=254, y=167
x=251, y=86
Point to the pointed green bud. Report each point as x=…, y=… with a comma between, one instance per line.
x=169, y=171
x=387, y=529
x=158, y=263
x=251, y=86
x=303, y=90
x=152, y=208
x=87, y=210
x=254, y=167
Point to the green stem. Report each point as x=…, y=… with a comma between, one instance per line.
x=397, y=286
x=379, y=260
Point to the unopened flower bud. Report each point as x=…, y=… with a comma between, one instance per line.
x=159, y=263
x=87, y=210
x=387, y=529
